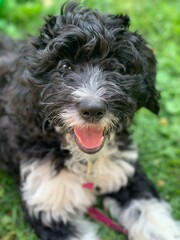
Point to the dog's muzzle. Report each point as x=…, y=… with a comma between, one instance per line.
x=90, y=137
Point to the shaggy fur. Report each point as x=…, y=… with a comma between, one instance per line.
x=67, y=98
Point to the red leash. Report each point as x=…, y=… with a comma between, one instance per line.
x=100, y=217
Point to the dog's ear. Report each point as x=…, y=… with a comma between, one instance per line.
x=153, y=101
x=149, y=60
x=119, y=24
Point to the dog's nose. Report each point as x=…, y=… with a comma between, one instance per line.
x=92, y=110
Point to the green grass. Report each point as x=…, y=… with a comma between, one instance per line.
x=158, y=138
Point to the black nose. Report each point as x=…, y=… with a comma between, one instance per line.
x=92, y=110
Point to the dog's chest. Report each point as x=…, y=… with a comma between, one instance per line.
x=108, y=170
x=64, y=193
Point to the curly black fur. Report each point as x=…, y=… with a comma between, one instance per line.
x=35, y=84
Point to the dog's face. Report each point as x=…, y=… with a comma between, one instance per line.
x=94, y=74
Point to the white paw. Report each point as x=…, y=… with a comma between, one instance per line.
x=85, y=230
x=57, y=196
x=150, y=220
x=145, y=219
x=155, y=234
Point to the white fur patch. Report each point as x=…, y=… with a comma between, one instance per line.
x=146, y=219
x=107, y=175
x=86, y=230
x=110, y=175
x=57, y=196
x=110, y=171
x=92, y=88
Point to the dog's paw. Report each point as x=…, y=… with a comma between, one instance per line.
x=145, y=219
x=55, y=196
x=150, y=220
x=170, y=233
x=160, y=231
x=85, y=230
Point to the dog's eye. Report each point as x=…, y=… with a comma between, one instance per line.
x=65, y=66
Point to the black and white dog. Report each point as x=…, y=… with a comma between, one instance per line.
x=66, y=101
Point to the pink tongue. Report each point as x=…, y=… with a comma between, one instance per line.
x=89, y=137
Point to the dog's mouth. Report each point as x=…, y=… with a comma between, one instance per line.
x=89, y=139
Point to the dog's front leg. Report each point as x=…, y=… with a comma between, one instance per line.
x=141, y=211
x=54, y=202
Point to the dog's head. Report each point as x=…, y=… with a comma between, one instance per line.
x=94, y=73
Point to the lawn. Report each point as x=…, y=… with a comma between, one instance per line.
x=158, y=138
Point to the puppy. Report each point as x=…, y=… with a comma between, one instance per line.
x=67, y=99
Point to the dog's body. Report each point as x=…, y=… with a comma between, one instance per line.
x=66, y=102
